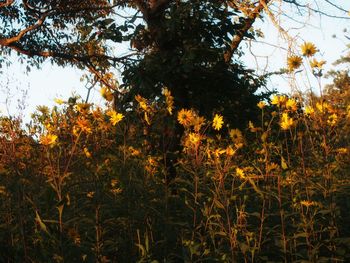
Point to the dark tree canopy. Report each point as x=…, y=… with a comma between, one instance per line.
x=190, y=46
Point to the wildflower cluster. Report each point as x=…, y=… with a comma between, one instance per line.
x=308, y=50
x=92, y=185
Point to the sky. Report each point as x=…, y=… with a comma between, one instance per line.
x=21, y=91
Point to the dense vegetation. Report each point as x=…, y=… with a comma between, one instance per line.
x=81, y=183
x=186, y=161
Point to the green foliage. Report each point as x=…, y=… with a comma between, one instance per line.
x=183, y=49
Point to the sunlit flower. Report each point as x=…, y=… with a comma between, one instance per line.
x=84, y=125
x=240, y=173
x=194, y=138
x=309, y=110
x=185, y=117
x=83, y=107
x=230, y=151
x=218, y=122
x=133, y=151
x=97, y=114
x=322, y=107
x=169, y=100
x=286, y=121
x=314, y=63
x=236, y=136
x=261, y=104
x=58, y=101
x=294, y=62
x=106, y=93
x=151, y=165
x=142, y=102
x=198, y=122
x=251, y=126
x=87, y=153
x=48, y=139
x=308, y=49
x=291, y=104
x=332, y=120
x=278, y=100
x=115, y=117
x=43, y=109
x=115, y=189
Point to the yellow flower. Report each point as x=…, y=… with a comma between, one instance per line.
x=48, y=139
x=198, y=122
x=134, y=152
x=240, y=173
x=115, y=117
x=142, y=102
x=294, y=62
x=169, y=100
x=83, y=107
x=194, y=138
x=332, y=120
x=314, y=63
x=309, y=110
x=278, y=100
x=59, y=101
x=230, y=151
x=308, y=49
x=236, y=136
x=185, y=117
x=286, y=121
x=87, y=153
x=252, y=128
x=106, y=93
x=291, y=104
x=97, y=114
x=322, y=107
x=218, y=122
x=84, y=125
x=261, y=105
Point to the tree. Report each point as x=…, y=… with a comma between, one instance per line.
x=186, y=45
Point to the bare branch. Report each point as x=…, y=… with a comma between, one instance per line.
x=7, y=3
x=294, y=2
x=22, y=33
x=247, y=24
x=68, y=57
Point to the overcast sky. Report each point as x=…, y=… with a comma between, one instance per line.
x=50, y=82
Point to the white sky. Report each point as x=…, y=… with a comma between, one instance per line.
x=51, y=82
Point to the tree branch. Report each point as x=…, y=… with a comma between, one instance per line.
x=7, y=3
x=22, y=33
x=248, y=22
x=68, y=57
x=294, y=2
